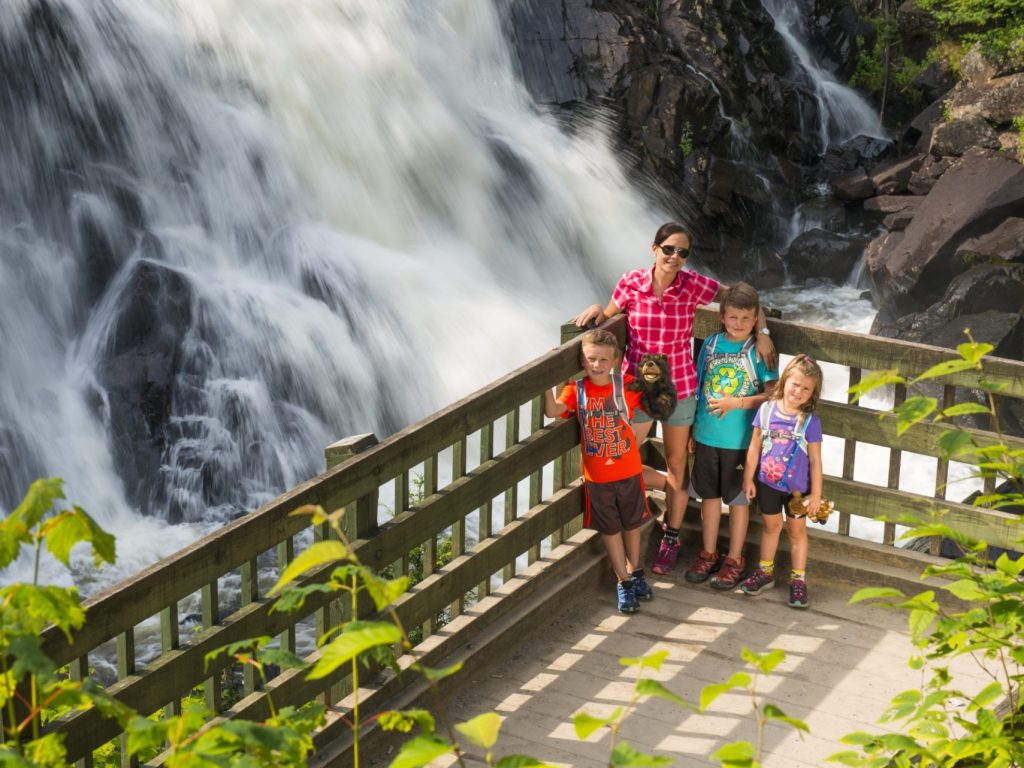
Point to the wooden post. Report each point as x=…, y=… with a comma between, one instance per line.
x=485, y=512
x=895, y=459
x=512, y=494
x=126, y=667
x=849, y=456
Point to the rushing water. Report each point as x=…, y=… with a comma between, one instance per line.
x=337, y=216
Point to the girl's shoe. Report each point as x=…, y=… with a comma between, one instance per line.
x=729, y=574
x=798, y=593
x=758, y=581
x=665, y=560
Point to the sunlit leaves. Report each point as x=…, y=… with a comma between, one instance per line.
x=357, y=637
x=421, y=750
x=384, y=591
x=405, y=720
x=623, y=754
x=585, y=723
x=319, y=553
x=738, y=754
x=648, y=687
x=765, y=662
x=651, y=661
x=482, y=730
x=913, y=410
x=75, y=527
x=711, y=692
x=772, y=712
x=873, y=381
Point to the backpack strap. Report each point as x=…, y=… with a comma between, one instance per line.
x=706, y=349
x=618, y=398
x=749, y=363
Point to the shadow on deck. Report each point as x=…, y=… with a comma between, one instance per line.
x=843, y=664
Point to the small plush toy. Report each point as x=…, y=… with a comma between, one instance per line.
x=654, y=383
x=798, y=508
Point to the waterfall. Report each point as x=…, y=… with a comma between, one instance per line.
x=844, y=113
x=275, y=224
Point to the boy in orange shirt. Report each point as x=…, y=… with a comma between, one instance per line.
x=616, y=504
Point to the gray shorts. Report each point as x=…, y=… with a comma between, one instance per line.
x=682, y=416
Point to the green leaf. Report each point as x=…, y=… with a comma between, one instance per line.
x=39, y=500
x=765, y=662
x=738, y=754
x=482, y=730
x=648, y=687
x=973, y=351
x=913, y=410
x=29, y=658
x=963, y=409
x=966, y=589
x=874, y=380
x=384, y=591
x=293, y=597
x=281, y=658
x=953, y=442
x=519, y=761
x=356, y=638
x=75, y=527
x=233, y=649
x=711, y=692
x=624, y=754
x=585, y=724
x=946, y=368
x=319, y=553
x=875, y=593
x=404, y=720
x=989, y=694
x=772, y=712
x=433, y=675
x=46, y=750
x=651, y=661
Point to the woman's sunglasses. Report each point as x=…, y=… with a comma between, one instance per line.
x=671, y=250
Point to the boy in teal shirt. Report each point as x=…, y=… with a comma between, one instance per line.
x=732, y=384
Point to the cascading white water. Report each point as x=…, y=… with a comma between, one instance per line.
x=351, y=213
x=844, y=112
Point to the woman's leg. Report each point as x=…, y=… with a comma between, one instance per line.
x=675, y=439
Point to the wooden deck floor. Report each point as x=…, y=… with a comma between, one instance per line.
x=843, y=665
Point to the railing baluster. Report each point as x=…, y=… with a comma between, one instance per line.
x=250, y=594
x=484, y=518
x=285, y=554
x=895, y=460
x=210, y=600
x=536, y=478
x=430, y=545
x=79, y=671
x=459, y=528
x=849, y=457
x=512, y=494
x=402, y=504
x=170, y=639
x=942, y=469
x=125, y=668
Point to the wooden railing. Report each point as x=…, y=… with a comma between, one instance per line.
x=447, y=479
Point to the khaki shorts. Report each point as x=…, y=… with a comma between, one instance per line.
x=682, y=416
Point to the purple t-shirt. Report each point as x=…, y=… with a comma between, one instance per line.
x=785, y=465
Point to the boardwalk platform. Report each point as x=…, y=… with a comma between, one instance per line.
x=843, y=664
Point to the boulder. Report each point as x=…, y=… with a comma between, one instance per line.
x=974, y=197
x=886, y=204
x=853, y=187
x=975, y=68
x=892, y=177
x=958, y=136
x=935, y=80
x=1004, y=243
x=1003, y=100
x=138, y=371
x=918, y=135
x=820, y=254
x=923, y=179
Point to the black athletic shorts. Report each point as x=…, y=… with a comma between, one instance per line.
x=718, y=474
x=620, y=505
x=772, y=501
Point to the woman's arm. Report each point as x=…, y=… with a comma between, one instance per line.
x=763, y=343
x=594, y=314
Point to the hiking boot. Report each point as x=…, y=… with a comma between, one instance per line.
x=728, y=575
x=641, y=589
x=757, y=581
x=627, y=597
x=705, y=564
x=798, y=593
x=665, y=560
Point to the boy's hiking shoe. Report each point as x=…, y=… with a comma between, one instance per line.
x=798, y=593
x=757, y=581
x=627, y=597
x=641, y=589
x=729, y=574
x=705, y=564
x=665, y=560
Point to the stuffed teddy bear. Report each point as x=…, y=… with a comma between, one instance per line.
x=798, y=508
x=654, y=383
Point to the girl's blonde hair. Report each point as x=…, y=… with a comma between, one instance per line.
x=806, y=365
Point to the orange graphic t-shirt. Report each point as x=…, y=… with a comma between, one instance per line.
x=609, y=447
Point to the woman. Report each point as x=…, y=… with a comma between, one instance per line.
x=660, y=304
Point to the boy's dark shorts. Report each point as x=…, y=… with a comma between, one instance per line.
x=718, y=474
x=620, y=505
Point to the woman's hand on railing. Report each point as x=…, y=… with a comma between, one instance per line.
x=592, y=314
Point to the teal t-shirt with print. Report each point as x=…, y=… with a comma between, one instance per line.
x=726, y=371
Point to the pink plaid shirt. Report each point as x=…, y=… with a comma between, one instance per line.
x=663, y=326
